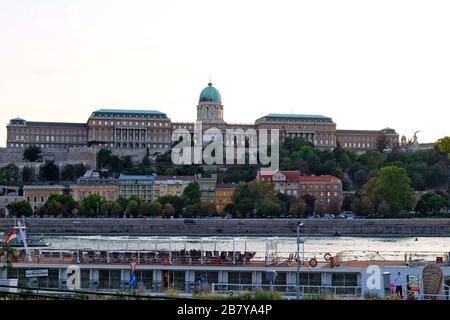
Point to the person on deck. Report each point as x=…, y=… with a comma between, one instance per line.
x=398, y=282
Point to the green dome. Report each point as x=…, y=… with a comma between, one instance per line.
x=210, y=94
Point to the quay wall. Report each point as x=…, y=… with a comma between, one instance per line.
x=231, y=227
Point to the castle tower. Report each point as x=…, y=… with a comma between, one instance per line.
x=210, y=108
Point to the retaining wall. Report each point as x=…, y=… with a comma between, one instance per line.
x=217, y=227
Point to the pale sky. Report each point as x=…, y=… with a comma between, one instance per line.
x=366, y=64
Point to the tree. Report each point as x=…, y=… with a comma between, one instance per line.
x=20, y=208
x=421, y=206
x=443, y=145
x=269, y=208
x=176, y=201
x=155, y=209
x=57, y=204
x=208, y=209
x=27, y=174
x=104, y=158
x=168, y=210
x=310, y=203
x=9, y=174
x=192, y=210
x=91, y=204
x=122, y=202
x=132, y=208
x=115, y=209
x=244, y=206
x=394, y=187
x=49, y=171
x=53, y=208
x=72, y=172
x=434, y=201
x=360, y=177
x=347, y=202
x=362, y=206
x=32, y=153
x=298, y=208
x=192, y=194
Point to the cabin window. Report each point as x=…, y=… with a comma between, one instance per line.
x=85, y=278
x=310, y=279
x=145, y=278
x=53, y=278
x=103, y=279
x=280, y=280
x=211, y=277
x=114, y=279
x=177, y=280
x=239, y=278
x=344, y=280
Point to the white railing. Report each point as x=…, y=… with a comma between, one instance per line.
x=313, y=292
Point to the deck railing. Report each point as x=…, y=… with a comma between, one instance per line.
x=306, y=291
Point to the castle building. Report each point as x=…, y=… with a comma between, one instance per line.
x=22, y=133
x=150, y=131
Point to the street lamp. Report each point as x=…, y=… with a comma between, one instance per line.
x=299, y=224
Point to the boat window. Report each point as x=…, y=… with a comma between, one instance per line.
x=210, y=276
x=145, y=278
x=114, y=278
x=103, y=279
x=310, y=279
x=177, y=280
x=85, y=278
x=280, y=279
x=344, y=280
x=239, y=278
x=53, y=278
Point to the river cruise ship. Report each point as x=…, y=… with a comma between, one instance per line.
x=225, y=265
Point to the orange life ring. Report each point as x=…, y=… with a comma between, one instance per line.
x=313, y=263
x=327, y=256
x=164, y=259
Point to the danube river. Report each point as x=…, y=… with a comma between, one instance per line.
x=352, y=247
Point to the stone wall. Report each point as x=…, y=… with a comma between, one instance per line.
x=75, y=155
x=217, y=227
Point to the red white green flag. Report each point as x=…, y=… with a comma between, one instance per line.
x=12, y=236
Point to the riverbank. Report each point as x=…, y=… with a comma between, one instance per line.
x=233, y=227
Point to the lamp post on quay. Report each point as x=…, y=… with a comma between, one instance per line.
x=299, y=224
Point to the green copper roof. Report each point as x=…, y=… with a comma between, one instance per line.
x=129, y=111
x=146, y=114
x=287, y=115
x=18, y=119
x=210, y=94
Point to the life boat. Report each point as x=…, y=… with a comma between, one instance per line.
x=313, y=262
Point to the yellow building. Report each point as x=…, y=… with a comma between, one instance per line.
x=223, y=195
x=92, y=183
x=37, y=195
x=107, y=191
x=170, y=185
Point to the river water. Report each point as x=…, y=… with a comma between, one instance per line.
x=379, y=248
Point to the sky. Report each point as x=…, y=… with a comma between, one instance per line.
x=365, y=64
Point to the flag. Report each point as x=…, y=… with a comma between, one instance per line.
x=133, y=281
x=12, y=236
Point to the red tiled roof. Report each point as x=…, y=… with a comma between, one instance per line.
x=317, y=178
x=290, y=175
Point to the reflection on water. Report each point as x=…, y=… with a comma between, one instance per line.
x=354, y=247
